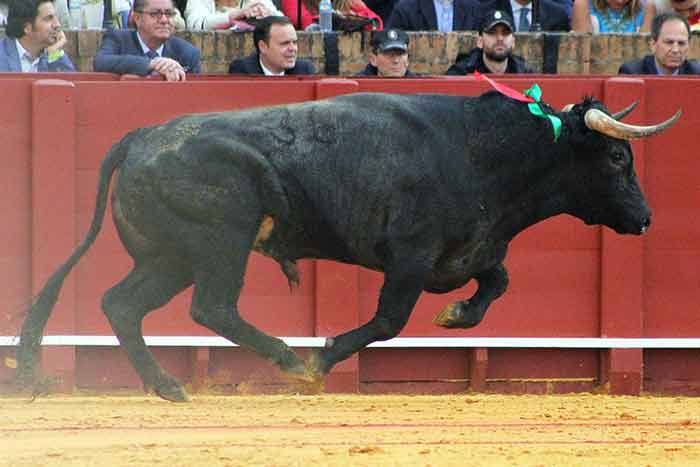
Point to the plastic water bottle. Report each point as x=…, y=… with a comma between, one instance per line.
x=76, y=15
x=325, y=15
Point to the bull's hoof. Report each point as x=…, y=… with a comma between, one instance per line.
x=317, y=364
x=458, y=315
x=171, y=390
x=296, y=368
x=300, y=372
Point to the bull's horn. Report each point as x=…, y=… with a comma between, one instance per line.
x=567, y=108
x=601, y=122
x=624, y=112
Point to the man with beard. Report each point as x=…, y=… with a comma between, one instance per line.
x=34, y=41
x=152, y=48
x=494, y=51
x=670, y=43
x=276, y=51
x=389, y=55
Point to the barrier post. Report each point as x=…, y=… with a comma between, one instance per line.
x=54, y=213
x=622, y=267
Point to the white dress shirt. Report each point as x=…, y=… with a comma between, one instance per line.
x=516, y=13
x=29, y=63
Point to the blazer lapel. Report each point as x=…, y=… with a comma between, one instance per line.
x=166, y=50
x=427, y=9
x=12, y=55
x=137, y=49
x=649, y=65
x=458, y=15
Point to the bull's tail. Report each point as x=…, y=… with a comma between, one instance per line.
x=40, y=310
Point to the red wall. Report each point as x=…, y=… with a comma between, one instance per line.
x=567, y=280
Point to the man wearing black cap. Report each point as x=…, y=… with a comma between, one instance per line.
x=494, y=51
x=389, y=55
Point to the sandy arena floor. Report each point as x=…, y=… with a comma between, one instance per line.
x=332, y=430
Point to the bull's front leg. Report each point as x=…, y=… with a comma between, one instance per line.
x=468, y=313
x=401, y=289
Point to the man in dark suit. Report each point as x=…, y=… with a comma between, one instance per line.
x=670, y=34
x=34, y=41
x=381, y=7
x=494, y=49
x=152, y=48
x=421, y=15
x=276, y=51
x=553, y=14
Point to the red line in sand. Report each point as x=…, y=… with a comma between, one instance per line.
x=370, y=426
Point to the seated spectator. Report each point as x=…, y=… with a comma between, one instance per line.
x=607, y=16
x=389, y=55
x=276, y=51
x=434, y=15
x=34, y=41
x=309, y=12
x=122, y=16
x=553, y=14
x=670, y=35
x=494, y=49
x=227, y=14
x=151, y=48
x=690, y=9
x=91, y=14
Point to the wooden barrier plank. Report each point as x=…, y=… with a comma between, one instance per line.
x=622, y=264
x=53, y=208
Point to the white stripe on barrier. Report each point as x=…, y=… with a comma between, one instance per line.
x=399, y=342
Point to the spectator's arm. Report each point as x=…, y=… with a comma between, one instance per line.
x=110, y=58
x=649, y=14
x=272, y=8
x=178, y=21
x=57, y=58
x=201, y=14
x=581, y=17
x=194, y=63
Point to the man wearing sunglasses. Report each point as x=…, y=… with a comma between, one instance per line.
x=152, y=48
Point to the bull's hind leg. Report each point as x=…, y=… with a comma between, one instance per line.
x=218, y=282
x=150, y=285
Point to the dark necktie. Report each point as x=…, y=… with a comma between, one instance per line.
x=152, y=54
x=524, y=23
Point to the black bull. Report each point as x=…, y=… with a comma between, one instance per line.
x=429, y=189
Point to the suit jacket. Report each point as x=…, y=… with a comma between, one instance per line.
x=121, y=53
x=646, y=66
x=250, y=65
x=553, y=15
x=9, y=59
x=419, y=15
x=371, y=70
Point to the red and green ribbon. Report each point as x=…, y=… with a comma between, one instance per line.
x=533, y=98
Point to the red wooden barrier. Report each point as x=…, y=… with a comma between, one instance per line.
x=567, y=280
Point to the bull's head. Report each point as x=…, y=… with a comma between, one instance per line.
x=604, y=184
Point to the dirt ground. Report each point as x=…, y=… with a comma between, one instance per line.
x=342, y=430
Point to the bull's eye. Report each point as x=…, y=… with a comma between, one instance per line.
x=617, y=158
